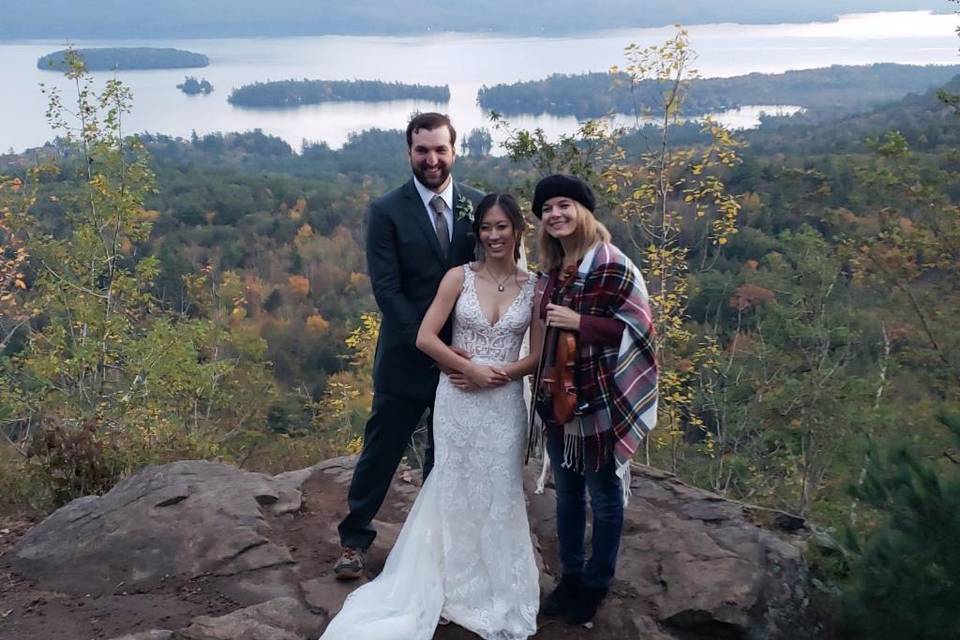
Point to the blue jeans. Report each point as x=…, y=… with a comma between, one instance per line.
x=606, y=503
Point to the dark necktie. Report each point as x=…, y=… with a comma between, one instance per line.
x=443, y=231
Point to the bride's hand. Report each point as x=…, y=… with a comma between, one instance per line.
x=486, y=377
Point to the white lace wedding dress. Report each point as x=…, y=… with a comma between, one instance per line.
x=464, y=551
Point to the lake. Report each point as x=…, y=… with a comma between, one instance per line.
x=463, y=61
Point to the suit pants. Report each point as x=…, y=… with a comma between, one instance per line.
x=389, y=428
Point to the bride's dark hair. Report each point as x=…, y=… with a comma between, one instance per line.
x=509, y=206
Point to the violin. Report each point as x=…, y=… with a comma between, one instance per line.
x=555, y=386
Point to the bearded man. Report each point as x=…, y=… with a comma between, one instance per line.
x=415, y=234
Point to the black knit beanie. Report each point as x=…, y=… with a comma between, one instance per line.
x=562, y=185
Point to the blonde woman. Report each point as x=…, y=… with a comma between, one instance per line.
x=589, y=286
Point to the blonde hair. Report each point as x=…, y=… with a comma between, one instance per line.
x=589, y=231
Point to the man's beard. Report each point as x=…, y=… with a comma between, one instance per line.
x=431, y=183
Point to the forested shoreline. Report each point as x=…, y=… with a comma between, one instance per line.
x=837, y=88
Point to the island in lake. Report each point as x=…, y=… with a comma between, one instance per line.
x=293, y=93
x=124, y=59
x=191, y=86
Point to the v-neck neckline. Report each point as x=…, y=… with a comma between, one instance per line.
x=476, y=296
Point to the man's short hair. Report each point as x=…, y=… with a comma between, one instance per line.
x=430, y=121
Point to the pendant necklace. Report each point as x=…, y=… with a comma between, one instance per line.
x=500, y=284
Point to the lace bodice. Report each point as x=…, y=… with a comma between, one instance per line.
x=498, y=342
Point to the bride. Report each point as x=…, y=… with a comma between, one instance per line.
x=465, y=552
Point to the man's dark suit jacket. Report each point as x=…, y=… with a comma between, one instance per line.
x=406, y=266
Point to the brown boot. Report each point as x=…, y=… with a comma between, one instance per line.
x=350, y=564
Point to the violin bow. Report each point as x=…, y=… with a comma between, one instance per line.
x=531, y=440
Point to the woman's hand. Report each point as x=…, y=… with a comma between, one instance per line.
x=562, y=317
x=486, y=377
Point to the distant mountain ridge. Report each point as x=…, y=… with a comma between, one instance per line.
x=221, y=18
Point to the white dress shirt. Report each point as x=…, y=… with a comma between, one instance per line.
x=446, y=195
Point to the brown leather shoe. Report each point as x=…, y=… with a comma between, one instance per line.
x=350, y=564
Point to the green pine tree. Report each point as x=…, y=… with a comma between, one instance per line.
x=905, y=582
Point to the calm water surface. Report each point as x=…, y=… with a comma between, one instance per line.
x=463, y=61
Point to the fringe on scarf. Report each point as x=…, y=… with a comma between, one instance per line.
x=579, y=450
x=623, y=472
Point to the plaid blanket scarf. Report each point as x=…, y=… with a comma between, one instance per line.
x=617, y=385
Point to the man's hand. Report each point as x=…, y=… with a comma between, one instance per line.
x=486, y=377
x=460, y=352
x=458, y=378
x=462, y=382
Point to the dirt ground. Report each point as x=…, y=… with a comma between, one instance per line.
x=29, y=613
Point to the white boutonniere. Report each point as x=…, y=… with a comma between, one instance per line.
x=464, y=208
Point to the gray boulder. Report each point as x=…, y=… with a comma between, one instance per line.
x=172, y=522
x=277, y=619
